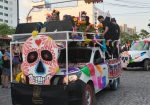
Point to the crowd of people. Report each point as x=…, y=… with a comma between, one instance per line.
x=4, y=67
x=5, y=64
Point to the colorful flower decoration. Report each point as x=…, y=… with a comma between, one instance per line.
x=34, y=33
x=100, y=25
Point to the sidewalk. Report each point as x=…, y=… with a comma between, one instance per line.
x=5, y=98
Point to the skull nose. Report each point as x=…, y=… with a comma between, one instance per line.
x=40, y=68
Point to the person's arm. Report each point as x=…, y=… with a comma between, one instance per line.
x=105, y=31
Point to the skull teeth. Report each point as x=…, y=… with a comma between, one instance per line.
x=39, y=79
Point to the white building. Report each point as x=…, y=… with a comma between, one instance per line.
x=8, y=12
x=92, y=11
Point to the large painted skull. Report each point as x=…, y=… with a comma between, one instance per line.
x=40, y=59
x=125, y=59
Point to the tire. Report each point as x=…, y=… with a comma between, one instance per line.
x=88, y=97
x=146, y=65
x=118, y=79
x=114, y=85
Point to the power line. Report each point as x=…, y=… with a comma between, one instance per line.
x=135, y=2
x=123, y=5
x=132, y=13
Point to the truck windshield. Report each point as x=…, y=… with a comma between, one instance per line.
x=139, y=46
x=75, y=55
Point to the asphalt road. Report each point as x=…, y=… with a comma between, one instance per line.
x=134, y=90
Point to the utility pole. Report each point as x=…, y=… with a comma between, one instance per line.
x=18, y=12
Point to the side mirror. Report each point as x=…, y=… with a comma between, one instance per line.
x=98, y=61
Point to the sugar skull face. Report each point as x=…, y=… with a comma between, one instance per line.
x=124, y=59
x=40, y=59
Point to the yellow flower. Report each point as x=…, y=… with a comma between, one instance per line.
x=75, y=19
x=100, y=26
x=49, y=38
x=34, y=33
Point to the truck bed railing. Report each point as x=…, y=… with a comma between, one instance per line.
x=58, y=36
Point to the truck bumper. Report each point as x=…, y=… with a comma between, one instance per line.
x=70, y=94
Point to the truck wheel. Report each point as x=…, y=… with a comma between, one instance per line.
x=88, y=97
x=118, y=79
x=146, y=65
x=114, y=85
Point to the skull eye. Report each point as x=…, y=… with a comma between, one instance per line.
x=126, y=58
x=46, y=55
x=32, y=57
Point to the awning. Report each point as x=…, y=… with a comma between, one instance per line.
x=93, y=1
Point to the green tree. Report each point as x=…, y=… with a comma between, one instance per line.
x=144, y=34
x=6, y=30
x=125, y=37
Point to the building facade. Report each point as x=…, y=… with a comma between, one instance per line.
x=92, y=11
x=8, y=12
x=125, y=28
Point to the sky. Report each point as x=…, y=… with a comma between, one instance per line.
x=134, y=13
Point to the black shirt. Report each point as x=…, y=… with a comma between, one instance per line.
x=109, y=32
x=6, y=63
x=115, y=31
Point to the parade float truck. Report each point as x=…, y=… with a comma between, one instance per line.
x=138, y=56
x=61, y=68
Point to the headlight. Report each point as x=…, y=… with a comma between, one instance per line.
x=72, y=77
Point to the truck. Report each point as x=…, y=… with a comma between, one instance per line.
x=138, y=55
x=62, y=68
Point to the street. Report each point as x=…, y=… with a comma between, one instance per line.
x=134, y=90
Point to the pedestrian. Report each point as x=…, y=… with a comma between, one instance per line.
x=6, y=68
x=16, y=60
x=1, y=64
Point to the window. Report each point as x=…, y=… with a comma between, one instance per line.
x=1, y=13
x=5, y=14
x=6, y=21
x=97, y=56
x=6, y=8
x=1, y=0
x=1, y=6
x=75, y=55
x=1, y=20
x=6, y=1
